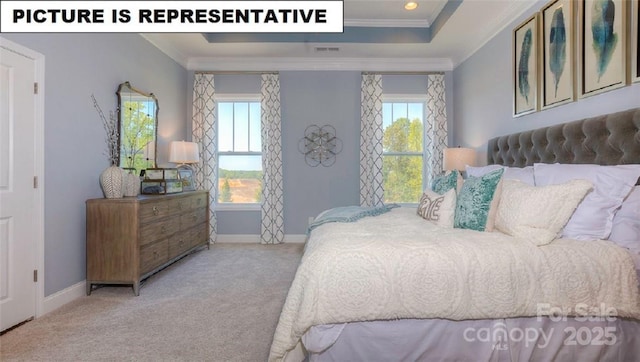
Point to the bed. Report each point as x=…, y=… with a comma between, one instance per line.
x=395, y=287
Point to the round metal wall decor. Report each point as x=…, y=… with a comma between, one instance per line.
x=320, y=145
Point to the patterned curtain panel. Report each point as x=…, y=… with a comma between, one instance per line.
x=204, y=125
x=272, y=229
x=371, y=182
x=436, y=131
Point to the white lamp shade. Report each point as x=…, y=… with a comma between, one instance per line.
x=184, y=152
x=458, y=158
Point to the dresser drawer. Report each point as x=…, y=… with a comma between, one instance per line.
x=181, y=204
x=156, y=230
x=178, y=244
x=193, y=218
x=188, y=203
x=156, y=210
x=199, y=200
x=199, y=235
x=153, y=255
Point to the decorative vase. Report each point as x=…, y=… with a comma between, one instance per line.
x=131, y=183
x=111, y=182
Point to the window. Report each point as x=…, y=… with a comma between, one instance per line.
x=403, y=149
x=239, y=152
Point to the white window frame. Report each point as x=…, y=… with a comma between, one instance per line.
x=411, y=98
x=231, y=206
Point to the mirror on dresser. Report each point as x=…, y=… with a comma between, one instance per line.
x=138, y=125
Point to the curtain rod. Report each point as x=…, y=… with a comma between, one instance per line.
x=232, y=72
x=403, y=73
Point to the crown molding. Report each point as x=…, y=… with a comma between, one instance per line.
x=305, y=63
x=300, y=63
x=514, y=10
x=388, y=23
x=166, y=48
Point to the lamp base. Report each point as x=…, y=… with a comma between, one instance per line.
x=185, y=166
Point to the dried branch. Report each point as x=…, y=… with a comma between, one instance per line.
x=112, y=133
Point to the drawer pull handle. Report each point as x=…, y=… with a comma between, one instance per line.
x=155, y=254
x=181, y=242
x=156, y=211
x=180, y=206
x=163, y=229
x=199, y=201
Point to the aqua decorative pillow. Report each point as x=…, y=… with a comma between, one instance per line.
x=475, y=201
x=446, y=182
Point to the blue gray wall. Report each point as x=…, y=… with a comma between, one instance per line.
x=76, y=66
x=307, y=98
x=482, y=96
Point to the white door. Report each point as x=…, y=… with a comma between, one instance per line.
x=17, y=192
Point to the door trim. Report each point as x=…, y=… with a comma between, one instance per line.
x=38, y=59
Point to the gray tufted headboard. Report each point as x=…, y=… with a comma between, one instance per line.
x=611, y=139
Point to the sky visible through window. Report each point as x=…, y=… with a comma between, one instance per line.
x=243, y=135
x=393, y=111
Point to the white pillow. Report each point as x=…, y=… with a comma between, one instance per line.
x=538, y=213
x=593, y=219
x=524, y=174
x=437, y=208
x=479, y=171
x=626, y=224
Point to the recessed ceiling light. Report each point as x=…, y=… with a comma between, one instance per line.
x=411, y=5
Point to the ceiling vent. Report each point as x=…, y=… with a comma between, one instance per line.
x=326, y=49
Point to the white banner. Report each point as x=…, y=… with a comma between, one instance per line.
x=171, y=16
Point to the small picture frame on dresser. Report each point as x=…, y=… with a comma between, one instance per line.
x=186, y=176
x=154, y=174
x=171, y=174
x=173, y=186
x=153, y=187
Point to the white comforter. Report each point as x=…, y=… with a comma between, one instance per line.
x=398, y=265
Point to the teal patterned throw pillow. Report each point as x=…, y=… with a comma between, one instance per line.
x=474, y=201
x=442, y=184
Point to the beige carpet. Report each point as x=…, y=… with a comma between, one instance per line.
x=216, y=305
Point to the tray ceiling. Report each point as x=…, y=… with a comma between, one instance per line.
x=378, y=35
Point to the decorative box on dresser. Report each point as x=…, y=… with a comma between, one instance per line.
x=129, y=239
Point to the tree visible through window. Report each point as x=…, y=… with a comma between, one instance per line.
x=403, y=145
x=239, y=152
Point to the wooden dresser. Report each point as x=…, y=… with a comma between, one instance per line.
x=129, y=239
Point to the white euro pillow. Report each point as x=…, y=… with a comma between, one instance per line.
x=538, y=213
x=524, y=174
x=593, y=219
x=626, y=224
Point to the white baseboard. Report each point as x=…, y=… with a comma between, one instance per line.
x=295, y=238
x=60, y=298
x=255, y=239
x=238, y=238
